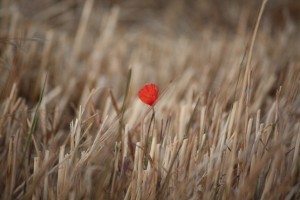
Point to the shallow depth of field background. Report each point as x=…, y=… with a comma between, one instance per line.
x=224, y=128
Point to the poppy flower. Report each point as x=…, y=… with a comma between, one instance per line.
x=148, y=94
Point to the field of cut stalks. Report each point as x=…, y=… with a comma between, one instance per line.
x=226, y=124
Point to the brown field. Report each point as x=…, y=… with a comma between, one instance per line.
x=226, y=124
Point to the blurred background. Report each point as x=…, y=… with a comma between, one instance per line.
x=91, y=44
x=172, y=16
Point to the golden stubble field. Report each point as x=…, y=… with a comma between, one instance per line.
x=226, y=124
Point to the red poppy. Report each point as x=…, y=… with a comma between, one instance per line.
x=148, y=94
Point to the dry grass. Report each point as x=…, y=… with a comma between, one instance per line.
x=226, y=125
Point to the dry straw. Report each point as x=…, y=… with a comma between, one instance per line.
x=226, y=124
